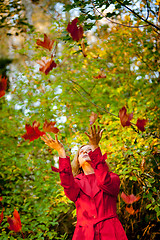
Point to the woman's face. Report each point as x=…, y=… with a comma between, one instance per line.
x=83, y=155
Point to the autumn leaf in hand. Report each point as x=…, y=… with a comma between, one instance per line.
x=131, y=211
x=93, y=118
x=47, y=43
x=3, y=86
x=46, y=65
x=130, y=198
x=15, y=222
x=49, y=127
x=75, y=31
x=124, y=117
x=141, y=124
x=32, y=131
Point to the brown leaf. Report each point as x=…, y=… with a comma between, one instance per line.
x=49, y=127
x=124, y=117
x=46, y=65
x=47, y=43
x=93, y=118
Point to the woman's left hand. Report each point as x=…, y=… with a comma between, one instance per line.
x=94, y=136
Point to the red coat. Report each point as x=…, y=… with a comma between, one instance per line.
x=95, y=197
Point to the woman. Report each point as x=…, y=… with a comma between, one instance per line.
x=94, y=190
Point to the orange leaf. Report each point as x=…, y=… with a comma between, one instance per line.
x=75, y=31
x=130, y=198
x=141, y=123
x=15, y=222
x=49, y=127
x=124, y=117
x=3, y=86
x=47, y=43
x=32, y=132
x=131, y=211
x=46, y=65
x=93, y=118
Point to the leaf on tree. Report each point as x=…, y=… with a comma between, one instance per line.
x=46, y=65
x=15, y=222
x=124, y=117
x=130, y=198
x=1, y=217
x=32, y=132
x=93, y=118
x=49, y=127
x=47, y=43
x=75, y=31
x=141, y=124
x=131, y=211
x=3, y=86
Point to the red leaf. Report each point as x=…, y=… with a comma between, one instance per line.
x=32, y=132
x=101, y=75
x=124, y=117
x=49, y=127
x=141, y=123
x=130, y=198
x=15, y=222
x=1, y=217
x=93, y=118
x=3, y=86
x=47, y=43
x=75, y=31
x=46, y=65
x=131, y=211
x=1, y=198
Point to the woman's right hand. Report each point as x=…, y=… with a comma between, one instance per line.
x=55, y=144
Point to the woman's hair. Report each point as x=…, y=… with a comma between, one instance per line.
x=76, y=169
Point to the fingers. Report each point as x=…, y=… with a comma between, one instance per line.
x=87, y=134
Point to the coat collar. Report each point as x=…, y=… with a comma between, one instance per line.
x=85, y=186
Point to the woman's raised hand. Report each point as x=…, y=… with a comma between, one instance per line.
x=55, y=144
x=94, y=136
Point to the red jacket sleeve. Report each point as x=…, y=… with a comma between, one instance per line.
x=71, y=188
x=107, y=181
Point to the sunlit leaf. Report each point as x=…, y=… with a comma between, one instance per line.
x=32, y=132
x=124, y=117
x=47, y=43
x=46, y=65
x=129, y=199
x=49, y=127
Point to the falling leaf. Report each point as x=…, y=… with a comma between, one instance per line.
x=124, y=117
x=1, y=217
x=131, y=211
x=141, y=123
x=100, y=75
x=93, y=118
x=130, y=198
x=46, y=65
x=15, y=222
x=47, y=43
x=1, y=198
x=32, y=132
x=83, y=48
x=49, y=127
x=75, y=31
x=3, y=86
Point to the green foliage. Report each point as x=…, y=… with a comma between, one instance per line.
x=68, y=95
